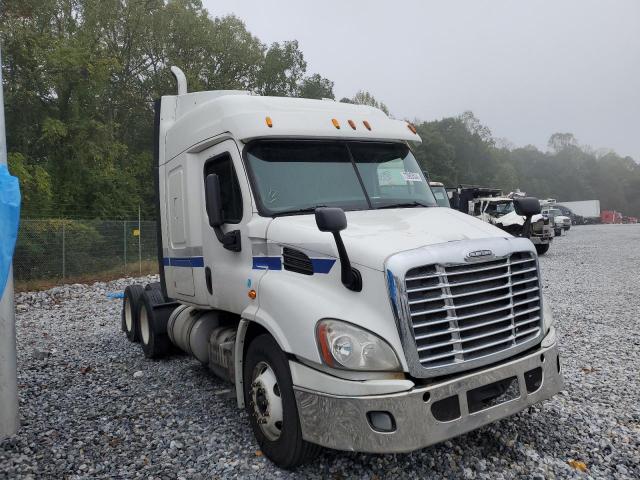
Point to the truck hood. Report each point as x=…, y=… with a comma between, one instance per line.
x=373, y=235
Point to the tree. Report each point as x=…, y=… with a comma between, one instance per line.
x=363, y=97
x=316, y=87
x=560, y=141
x=282, y=70
x=80, y=78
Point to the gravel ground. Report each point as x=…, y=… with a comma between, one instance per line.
x=93, y=407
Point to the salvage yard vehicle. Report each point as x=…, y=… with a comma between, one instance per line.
x=560, y=222
x=440, y=194
x=301, y=259
x=491, y=206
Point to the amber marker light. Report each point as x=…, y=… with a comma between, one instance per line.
x=252, y=294
x=352, y=124
x=367, y=125
x=335, y=123
x=325, y=349
x=269, y=122
x=411, y=127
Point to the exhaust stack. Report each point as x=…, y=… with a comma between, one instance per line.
x=181, y=79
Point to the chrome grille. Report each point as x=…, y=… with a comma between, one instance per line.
x=465, y=312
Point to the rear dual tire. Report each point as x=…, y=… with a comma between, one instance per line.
x=153, y=315
x=130, y=309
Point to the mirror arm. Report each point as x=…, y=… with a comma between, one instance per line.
x=230, y=240
x=351, y=277
x=526, y=227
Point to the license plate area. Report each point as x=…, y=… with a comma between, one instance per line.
x=493, y=394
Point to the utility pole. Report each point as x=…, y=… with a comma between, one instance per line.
x=8, y=377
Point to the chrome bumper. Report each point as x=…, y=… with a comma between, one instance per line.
x=341, y=422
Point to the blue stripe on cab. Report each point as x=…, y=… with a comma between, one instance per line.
x=191, y=262
x=267, y=263
x=322, y=265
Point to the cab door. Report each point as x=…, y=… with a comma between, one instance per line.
x=227, y=272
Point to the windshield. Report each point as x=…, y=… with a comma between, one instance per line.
x=289, y=176
x=498, y=209
x=440, y=194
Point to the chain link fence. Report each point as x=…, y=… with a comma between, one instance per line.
x=50, y=251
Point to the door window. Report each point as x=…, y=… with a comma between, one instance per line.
x=222, y=165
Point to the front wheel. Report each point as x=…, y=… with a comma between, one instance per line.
x=558, y=232
x=271, y=405
x=542, y=248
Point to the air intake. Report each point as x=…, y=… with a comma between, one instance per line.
x=296, y=261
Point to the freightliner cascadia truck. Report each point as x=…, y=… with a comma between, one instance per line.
x=303, y=258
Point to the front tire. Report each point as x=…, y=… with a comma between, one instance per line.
x=271, y=405
x=558, y=232
x=542, y=248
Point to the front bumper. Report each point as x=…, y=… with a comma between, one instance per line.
x=342, y=422
x=542, y=238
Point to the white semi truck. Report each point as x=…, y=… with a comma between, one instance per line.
x=491, y=206
x=304, y=259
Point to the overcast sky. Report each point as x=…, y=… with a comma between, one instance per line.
x=527, y=69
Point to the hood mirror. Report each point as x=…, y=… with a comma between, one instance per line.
x=334, y=220
x=526, y=207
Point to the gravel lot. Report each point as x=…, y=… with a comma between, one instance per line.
x=93, y=407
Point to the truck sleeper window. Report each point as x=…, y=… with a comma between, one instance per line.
x=291, y=175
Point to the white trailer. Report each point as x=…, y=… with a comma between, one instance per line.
x=302, y=259
x=584, y=208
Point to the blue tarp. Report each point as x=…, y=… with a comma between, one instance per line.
x=9, y=220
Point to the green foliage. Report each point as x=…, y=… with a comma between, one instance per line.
x=282, y=70
x=363, y=97
x=41, y=242
x=462, y=150
x=316, y=87
x=80, y=78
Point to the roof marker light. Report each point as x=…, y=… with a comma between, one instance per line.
x=412, y=127
x=367, y=125
x=352, y=124
x=335, y=123
x=269, y=122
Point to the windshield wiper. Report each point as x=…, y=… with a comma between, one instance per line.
x=403, y=205
x=298, y=211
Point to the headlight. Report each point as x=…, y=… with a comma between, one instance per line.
x=344, y=345
x=547, y=315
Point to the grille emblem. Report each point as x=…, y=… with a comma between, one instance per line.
x=478, y=254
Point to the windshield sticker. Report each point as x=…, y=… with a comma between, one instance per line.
x=411, y=176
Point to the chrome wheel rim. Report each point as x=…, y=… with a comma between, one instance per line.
x=144, y=326
x=128, y=319
x=267, y=401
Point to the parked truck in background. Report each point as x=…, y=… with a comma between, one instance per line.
x=492, y=206
x=585, y=211
x=440, y=194
x=610, y=216
x=301, y=259
x=559, y=221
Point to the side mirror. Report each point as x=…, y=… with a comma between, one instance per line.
x=213, y=204
x=334, y=220
x=526, y=206
x=331, y=219
x=213, y=200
